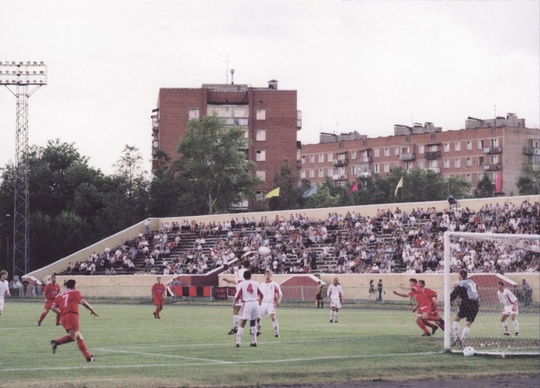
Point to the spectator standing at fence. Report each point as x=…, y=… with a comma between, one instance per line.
x=380, y=290
x=319, y=296
x=67, y=306
x=371, y=289
x=271, y=300
x=335, y=296
x=527, y=292
x=510, y=309
x=158, y=293
x=4, y=289
x=50, y=292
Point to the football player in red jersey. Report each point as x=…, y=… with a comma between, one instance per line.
x=50, y=292
x=67, y=305
x=158, y=290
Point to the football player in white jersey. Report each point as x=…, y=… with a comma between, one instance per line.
x=510, y=303
x=236, y=307
x=4, y=288
x=272, y=298
x=249, y=295
x=335, y=296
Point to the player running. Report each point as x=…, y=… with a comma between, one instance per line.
x=249, y=295
x=236, y=307
x=510, y=303
x=50, y=292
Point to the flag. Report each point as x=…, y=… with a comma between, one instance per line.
x=400, y=184
x=311, y=191
x=354, y=188
x=273, y=193
x=498, y=182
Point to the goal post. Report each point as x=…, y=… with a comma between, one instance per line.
x=487, y=335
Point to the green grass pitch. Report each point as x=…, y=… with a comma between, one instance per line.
x=189, y=346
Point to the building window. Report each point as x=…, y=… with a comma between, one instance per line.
x=302, y=174
x=321, y=158
x=353, y=170
x=330, y=157
x=260, y=135
x=457, y=146
x=376, y=152
x=386, y=152
x=330, y=172
x=261, y=114
x=353, y=154
x=386, y=167
x=469, y=145
x=480, y=160
x=396, y=151
x=469, y=162
x=259, y=195
x=480, y=144
x=446, y=147
x=193, y=113
x=376, y=169
x=457, y=163
x=421, y=149
x=421, y=164
x=446, y=163
x=260, y=156
x=303, y=159
x=311, y=158
x=312, y=173
x=261, y=175
x=321, y=173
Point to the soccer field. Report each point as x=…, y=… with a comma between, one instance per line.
x=189, y=346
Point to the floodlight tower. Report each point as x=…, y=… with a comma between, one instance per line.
x=21, y=76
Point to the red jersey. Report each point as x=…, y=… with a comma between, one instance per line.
x=69, y=301
x=422, y=298
x=51, y=291
x=157, y=290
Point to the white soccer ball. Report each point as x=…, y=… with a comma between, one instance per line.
x=468, y=351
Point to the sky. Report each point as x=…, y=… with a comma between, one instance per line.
x=356, y=65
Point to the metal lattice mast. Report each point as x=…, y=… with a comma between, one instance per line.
x=22, y=75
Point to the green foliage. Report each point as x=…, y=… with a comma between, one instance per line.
x=485, y=187
x=212, y=169
x=529, y=181
x=290, y=194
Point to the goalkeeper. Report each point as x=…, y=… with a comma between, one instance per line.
x=465, y=289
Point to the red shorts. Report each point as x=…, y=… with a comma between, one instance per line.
x=48, y=304
x=158, y=301
x=70, y=321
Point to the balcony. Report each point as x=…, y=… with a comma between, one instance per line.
x=492, y=167
x=339, y=177
x=492, y=150
x=432, y=155
x=531, y=151
x=365, y=159
x=408, y=157
x=365, y=174
x=436, y=170
x=340, y=162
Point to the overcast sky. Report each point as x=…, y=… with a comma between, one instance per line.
x=357, y=65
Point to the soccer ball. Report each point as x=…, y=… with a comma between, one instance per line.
x=468, y=351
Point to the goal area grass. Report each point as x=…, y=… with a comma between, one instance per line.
x=189, y=346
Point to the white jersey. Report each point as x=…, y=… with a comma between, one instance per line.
x=247, y=293
x=506, y=297
x=4, y=288
x=271, y=291
x=335, y=294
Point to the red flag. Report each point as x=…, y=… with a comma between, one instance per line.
x=498, y=182
x=354, y=188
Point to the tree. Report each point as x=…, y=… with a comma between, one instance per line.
x=529, y=181
x=212, y=169
x=485, y=187
x=289, y=193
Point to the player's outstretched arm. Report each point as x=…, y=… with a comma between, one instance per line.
x=92, y=311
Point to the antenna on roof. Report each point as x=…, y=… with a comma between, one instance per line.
x=232, y=76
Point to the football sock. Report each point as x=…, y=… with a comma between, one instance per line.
x=420, y=323
x=253, y=332
x=429, y=324
x=239, y=334
x=505, y=326
x=64, y=340
x=42, y=316
x=275, y=324
x=455, y=329
x=83, y=348
x=516, y=325
x=236, y=318
x=464, y=333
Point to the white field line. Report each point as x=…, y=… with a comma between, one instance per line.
x=211, y=362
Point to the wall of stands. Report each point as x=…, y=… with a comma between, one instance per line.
x=314, y=215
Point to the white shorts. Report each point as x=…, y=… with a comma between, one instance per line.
x=335, y=303
x=267, y=308
x=250, y=311
x=507, y=310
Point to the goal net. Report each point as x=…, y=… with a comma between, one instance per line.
x=487, y=257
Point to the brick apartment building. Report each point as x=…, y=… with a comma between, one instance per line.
x=498, y=147
x=268, y=115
